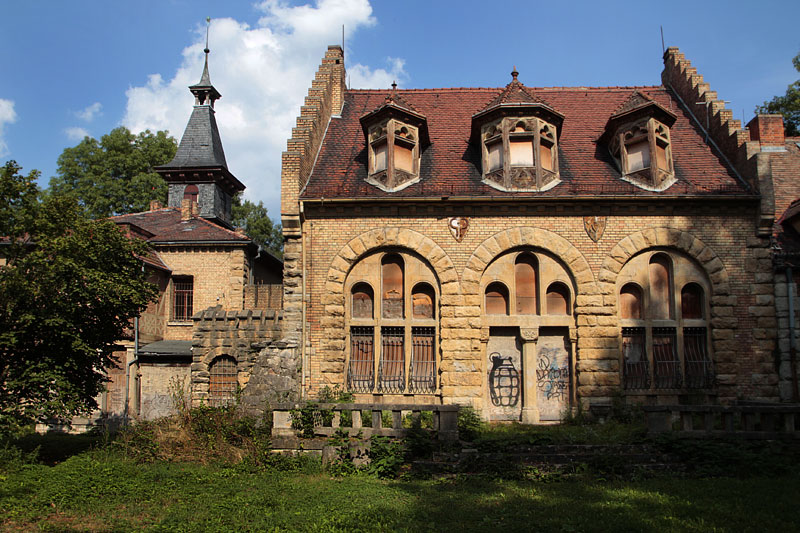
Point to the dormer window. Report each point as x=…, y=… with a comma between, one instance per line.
x=639, y=140
x=528, y=145
x=637, y=146
x=396, y=135
x=518, y=138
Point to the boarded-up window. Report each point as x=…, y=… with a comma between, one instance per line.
x=403, y=158
x=191, y=193
x=557, y=299
x=362, y=301
x=692, y=301
x=222, y=382
x=361, y=372
x=392, y=277
x=525, y=278
x=661, y=156
x=495, y=158
x=521, y=152
x=630, y=301
x=660, y=291
x=546, y=156
x=422, y=299
x=638, y=155
x=380, y=156
x=496, y=299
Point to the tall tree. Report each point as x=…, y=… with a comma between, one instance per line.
x=115, y=175
x=68, y=289
x=787, y=105
x=255, y=221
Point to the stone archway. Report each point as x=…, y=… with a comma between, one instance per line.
x=332, y=345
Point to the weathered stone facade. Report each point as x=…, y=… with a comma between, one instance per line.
x=722, y=236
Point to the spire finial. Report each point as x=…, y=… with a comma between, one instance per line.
x=394, y=86
x=514, y=73
x=208, y=25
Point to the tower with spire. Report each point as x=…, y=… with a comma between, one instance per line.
x=198, y=172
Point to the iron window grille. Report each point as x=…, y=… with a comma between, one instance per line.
x=183, y=292
x=698, y=367
x=636, y=367
x=423, y=360
x=223, y=382
x=666, y=365
x=361, y=372
x=391, y=370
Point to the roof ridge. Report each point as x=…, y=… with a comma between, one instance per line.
x=217, y=226
x=540, y=88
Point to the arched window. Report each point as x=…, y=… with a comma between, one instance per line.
x=525, y=278
x=630, y=301
x=660, y=287
x=393, y=350
x=557, y=299
x=191, y=193
x=496, y=299
x=422, y=299
x=664, y=348
x=692, y=301
x=223, y=381
x=392, y=286
x=362, y=298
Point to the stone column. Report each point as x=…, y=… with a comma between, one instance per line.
x=530, y=411
x=484, y=368
x=573, y=357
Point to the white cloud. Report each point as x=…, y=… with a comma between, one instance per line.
x=89, y=113
x=76, y=134
x=362, y=77
x=7, y=116
x=264, y=73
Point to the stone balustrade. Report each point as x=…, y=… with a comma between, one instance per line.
x=445, y=419
x=744, y=421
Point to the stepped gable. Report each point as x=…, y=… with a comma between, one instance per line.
x=166, y=225
x=450, y=166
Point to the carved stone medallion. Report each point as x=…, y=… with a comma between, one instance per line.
x=458, y=227
x=594, y=226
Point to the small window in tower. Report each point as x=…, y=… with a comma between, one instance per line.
x=191, y=193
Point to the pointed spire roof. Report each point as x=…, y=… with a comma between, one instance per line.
x=395, y=106
x=515, y=93
x=517, y=100
x=639, y=104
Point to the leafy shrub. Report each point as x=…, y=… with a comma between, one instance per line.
x=386, y=455
x=470, y=424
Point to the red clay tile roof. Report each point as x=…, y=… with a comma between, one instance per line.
x=450, y=166
x=166, y=226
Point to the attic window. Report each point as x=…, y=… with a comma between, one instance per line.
x=191, y=193
x=637, y=146
x=393, y=154
x=519, y=153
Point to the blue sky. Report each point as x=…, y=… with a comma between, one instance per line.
x=85, y=67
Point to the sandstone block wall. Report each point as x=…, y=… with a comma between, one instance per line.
x=720, y=239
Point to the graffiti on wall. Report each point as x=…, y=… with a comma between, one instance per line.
x=552, y=379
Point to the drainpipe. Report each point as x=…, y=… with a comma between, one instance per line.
x=131, y=363
x=303, y=362
x=792, y=348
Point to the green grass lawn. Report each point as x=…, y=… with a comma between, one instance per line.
x=102, y=491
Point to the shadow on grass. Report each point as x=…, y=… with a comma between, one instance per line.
x=53, y=448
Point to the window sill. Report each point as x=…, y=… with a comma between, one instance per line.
x=180, y=323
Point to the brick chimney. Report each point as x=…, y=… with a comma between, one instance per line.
x=767, y=129
x=155, y=205
x=186, y=209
